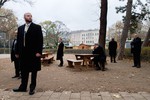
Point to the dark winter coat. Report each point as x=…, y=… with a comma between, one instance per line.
x=136, y=45
x=101, y=54
x=112, y=48
x=60, y=51
x=33, y=45
x=13, y=48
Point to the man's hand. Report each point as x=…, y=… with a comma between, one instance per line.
x=16, y=55
x=38, y=55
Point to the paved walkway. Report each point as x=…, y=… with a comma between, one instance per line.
x=67, y=95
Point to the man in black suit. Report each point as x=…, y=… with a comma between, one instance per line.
x=60, y=52
x=15, y=60
x=136, y=51
x=28, y=50
x=99, y=60
x=112, y=50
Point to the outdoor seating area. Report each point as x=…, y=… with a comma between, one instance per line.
x=47, y=58
x=81, y=60
x=72, y=63
x=120, y=76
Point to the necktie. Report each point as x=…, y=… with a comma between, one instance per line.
x=25, y=31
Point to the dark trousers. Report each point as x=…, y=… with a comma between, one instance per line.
x=24, y=80
x=96, y=62
x=137, y=59
x=100, y=63
x=17, y=67
x=61, y=61
x=113, y=58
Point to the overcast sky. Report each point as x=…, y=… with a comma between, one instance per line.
x=76, y=14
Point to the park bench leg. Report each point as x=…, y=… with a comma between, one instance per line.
x=77, y=65
x=70, y=64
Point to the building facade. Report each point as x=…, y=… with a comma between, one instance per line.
x=88, y=37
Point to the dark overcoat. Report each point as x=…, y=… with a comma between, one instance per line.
x=101, y=54
x=112, y=48
x=13, y=48
x=136, y=45
x=60, y=51
x=33, y=44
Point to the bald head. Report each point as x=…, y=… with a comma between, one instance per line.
x=135, y=35
x=28, y=17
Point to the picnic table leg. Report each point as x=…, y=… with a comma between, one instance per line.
x=86, y=62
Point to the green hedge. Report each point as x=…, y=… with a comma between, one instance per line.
x=145, y=54
x=2, y=50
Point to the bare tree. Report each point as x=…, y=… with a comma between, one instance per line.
x=2, y=2
x=103, y=23
x=125, y=29
x=8, y=24
x=53, y=30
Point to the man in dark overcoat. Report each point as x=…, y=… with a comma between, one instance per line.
x=100, y=59
x=60, y=52
x=112, y=50
x=15, y=60
x=29, y=50
x=136, y=51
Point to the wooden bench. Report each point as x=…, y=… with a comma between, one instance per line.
x=48, y=59
x=74, y=63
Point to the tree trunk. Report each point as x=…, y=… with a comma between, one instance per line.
x=147, y=38
x=103, y=23
x=2, y=3
x=125, y=30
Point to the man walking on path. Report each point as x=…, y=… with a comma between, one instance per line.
x=28, y=50
x=112, y=50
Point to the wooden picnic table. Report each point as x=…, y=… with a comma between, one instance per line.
x=44, y=55
x=47, y=58
x=87, y=58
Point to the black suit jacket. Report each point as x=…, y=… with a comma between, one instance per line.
x=33, y=45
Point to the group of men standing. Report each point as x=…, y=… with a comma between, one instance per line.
x=100, y=60
x=27, y=50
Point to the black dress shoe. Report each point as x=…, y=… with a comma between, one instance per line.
x=98, y=68
x=15, y=76
x=134, y=66
x=19, y=77
x=138, y=67
x=60, y=65
x=31, y=92
x=19, y=90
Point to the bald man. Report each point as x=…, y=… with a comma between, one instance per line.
x=28, y=50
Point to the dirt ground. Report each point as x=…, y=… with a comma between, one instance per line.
x=119, y=76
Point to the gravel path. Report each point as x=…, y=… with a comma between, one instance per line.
x=118, y=77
